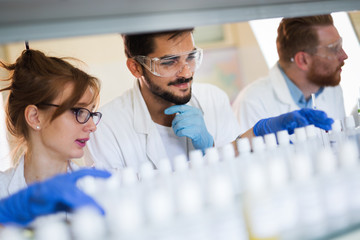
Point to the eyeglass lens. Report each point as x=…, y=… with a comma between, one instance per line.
x=83, y=115
x=170, y=66
x=335, y=47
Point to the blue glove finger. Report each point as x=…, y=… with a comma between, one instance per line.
x=189, y=122
x=177, y=130
x=287, y=121
x=326, y=125
x=298, y=119
x=189, y=118
x=177, y=109
x=313, y=115
x=294, y=120
x=318, y=118
x=192, y=125
x=198, y=142
x=296, y=124
x=184, y=132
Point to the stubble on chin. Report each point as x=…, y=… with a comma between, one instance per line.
x=166, y=94
x=176, y=99
x=321, y=80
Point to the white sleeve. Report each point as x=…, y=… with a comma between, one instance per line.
x=247, y=113
x=227, y=127
x=341, y=106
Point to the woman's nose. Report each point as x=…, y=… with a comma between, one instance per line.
x=90, y=125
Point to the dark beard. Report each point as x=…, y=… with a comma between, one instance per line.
x=168, y=96
x=329, y=80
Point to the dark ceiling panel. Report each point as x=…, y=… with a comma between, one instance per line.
x=39, y=19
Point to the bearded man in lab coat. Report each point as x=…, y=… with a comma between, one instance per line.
x=165, y=114
x=310, y=60
x=139, y=126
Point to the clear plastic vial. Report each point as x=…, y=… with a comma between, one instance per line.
x=312, y=223
x=259, y=205
x=332, y=185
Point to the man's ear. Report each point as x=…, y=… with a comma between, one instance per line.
x=134, y=67
x=32, y=117
x=302, y=60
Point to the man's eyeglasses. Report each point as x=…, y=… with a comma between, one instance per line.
x=333, y=49
x=171, y=65
x=82, y=114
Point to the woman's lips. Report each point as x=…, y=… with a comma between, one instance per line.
x=82, y=141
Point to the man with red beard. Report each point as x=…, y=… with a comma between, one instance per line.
x=310, y=60
x=165, y=114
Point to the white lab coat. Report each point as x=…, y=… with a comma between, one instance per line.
x=270, y=96
x=127, y=136
x=13, y=179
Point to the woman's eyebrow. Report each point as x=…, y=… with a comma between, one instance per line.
x=83, y=104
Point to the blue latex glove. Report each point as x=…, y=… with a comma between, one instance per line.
x=290, y=121
x=189, y=122
x=56, y=194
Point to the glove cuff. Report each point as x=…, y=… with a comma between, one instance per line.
x=209, y=144
x=14, y=209
x=258, y=128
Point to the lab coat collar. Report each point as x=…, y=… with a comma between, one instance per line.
x=17, y=181
x=280, y=87
x=142, y=118
x=144, y=124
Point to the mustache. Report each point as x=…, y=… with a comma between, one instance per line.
x=340, y=66
x=180, y=81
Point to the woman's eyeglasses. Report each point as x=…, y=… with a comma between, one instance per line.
x=82, y=114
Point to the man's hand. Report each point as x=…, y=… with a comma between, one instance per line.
x=290, y=121
x=189, y=122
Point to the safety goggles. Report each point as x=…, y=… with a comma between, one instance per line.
x=82, y=115
x=332, y=50
x=172, y=65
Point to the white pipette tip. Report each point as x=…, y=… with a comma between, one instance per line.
x=336, y=126
x=313, y=101
x=349, y=122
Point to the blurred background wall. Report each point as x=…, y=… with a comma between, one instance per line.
x=234, y=55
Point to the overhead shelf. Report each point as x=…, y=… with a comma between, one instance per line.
x=43, y=19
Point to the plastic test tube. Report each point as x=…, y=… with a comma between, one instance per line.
x=324, y=136
x=313, y=101
x=358, y=122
